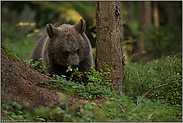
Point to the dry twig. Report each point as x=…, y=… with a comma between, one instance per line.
x=155, y=88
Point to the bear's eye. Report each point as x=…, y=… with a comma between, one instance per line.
x=78, y=51
x=66, y=53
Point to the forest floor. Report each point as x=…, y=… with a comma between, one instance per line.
x=20, y=83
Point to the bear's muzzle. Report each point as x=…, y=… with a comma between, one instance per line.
x=74, y=60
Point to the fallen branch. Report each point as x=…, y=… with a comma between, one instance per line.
x=155, y=88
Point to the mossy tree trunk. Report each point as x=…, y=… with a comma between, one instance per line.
x=109, y=41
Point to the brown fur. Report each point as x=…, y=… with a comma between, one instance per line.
x=64, y=45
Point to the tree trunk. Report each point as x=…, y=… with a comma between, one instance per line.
x=129, y=6
x=144, y=21
x=155, y=14
x=109, y=41
x=171, y=12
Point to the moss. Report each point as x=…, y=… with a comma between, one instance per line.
x=9, y=53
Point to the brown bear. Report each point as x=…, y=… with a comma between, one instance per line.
x=63, y=45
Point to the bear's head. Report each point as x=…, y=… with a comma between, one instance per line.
x=67, y=43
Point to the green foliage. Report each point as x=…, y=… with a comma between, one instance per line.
x=51, y=11
x=18, y=42
x=133, y=27
x=9, y=53
x=164, y=40
x=37, y=63
x=140, y=79
x=98, y=83
x=94, y=76
x=159, y=41
x=161, y=105
x=120, y=108
x=13, y=112
x=32, y=65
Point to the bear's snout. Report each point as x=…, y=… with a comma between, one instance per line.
x=75, y=65
x=74, y=60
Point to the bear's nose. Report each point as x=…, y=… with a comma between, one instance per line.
x=75, y=65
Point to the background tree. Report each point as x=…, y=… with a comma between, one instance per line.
x=109, y=41
x=155, y=14
x=172, y=19
x=144, y=21
x=129, y=6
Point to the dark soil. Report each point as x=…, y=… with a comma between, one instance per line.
x=20, y=83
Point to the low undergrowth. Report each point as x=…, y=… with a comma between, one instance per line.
x=165, y=71
x=119, y=108
x=162, y=104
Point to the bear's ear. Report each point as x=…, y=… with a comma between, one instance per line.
x=80, y=26
x=51, y=30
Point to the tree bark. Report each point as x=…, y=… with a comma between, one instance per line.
x=109, y=41
x=171, y=13
x=129, y=6
x=155, y=14
x=144, y=22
